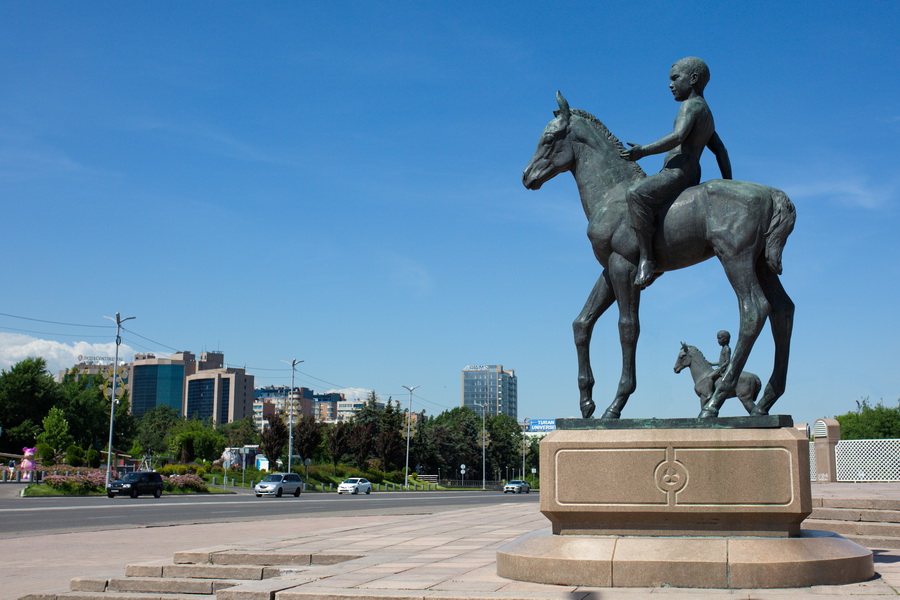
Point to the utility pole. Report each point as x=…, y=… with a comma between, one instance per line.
x=113, y=399
x=408, y=421
x=483, y=445
x=293, y=364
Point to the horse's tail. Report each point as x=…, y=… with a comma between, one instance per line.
x=780, y=226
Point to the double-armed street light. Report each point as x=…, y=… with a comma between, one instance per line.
x=113, y=399
x=408, y=421
x=483, y=444
x=293, y=364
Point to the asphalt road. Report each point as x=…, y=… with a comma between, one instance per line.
x=20, y=517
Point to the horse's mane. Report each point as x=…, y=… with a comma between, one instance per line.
x=609, y=135
x=698, y=351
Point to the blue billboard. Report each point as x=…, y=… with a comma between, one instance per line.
x=542, y=424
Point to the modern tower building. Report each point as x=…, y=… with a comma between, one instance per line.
x=221, y=395
x=159, y=381
x=491, y=385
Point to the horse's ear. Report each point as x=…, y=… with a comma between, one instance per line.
x=684, y=346
x=563, y=107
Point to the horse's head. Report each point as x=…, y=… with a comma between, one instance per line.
x=684, y=358
x=554, y=154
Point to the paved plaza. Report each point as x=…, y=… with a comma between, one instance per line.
x=442, y=556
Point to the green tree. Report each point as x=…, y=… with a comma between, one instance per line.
x=307, y=436
x=870, y=422
x=336, y=442
x=240, y=433
x=56, y=431
x=274, y=439
x=154, y=427
x=456, y=435
x=359, y=444
x=193, y=439
x=86, y=409
x=27, y=392
x=504, y=443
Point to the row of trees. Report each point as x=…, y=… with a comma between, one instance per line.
x=70, y=421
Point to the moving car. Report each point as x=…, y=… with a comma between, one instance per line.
x=278, y=484
x=355, y=485
x=517, y=486
x=135, y=484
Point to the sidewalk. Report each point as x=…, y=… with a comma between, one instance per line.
x=444, y=556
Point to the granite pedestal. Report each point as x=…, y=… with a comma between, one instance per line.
x=711, y=507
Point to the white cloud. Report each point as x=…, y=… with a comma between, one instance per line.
x=15, y=347
x=352, y=393
x=850, y=190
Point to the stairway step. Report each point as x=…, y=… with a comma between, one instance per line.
x=169, y=585
x=856, y=514
x=872, y=542
x=115, y=596
x=859, y=503
x=884, y=530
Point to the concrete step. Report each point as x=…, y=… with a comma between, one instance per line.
x=882, y=530
x=237, y=557
x=856, y=514
x=875, y=543
x=207, y=571
x=170, y=585
x=858, y=503
x=116, y=596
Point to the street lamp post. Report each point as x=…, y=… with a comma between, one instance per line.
x=483, y=445
x=408, y=421
x=293, y=364
x=112, y=401
x=523, y=449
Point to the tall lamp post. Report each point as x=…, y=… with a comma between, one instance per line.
x=113, y=399
x=525, y=424
x=293, y=364
x=483, y=445
x=408, y=421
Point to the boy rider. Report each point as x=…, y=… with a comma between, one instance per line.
x=694, y=130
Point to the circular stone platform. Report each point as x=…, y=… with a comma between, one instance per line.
x=814, y=558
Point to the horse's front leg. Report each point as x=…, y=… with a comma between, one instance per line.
x=600, y=298
x=628, y=297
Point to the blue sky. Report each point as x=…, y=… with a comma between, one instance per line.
x=341, y=183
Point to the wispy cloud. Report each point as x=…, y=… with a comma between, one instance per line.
x=411, y=275
x=15, y=347
x=352, y=393
x=852, y=190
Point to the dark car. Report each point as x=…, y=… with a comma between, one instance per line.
x=135, y=484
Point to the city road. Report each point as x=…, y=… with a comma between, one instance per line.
x=39, y=516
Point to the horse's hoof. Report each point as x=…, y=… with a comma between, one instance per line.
x=587, y=409
x=708, y=413
x=759, y=412
x=611, y=414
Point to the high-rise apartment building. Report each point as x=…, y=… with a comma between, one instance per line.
x=221, y=395
x=490, y=385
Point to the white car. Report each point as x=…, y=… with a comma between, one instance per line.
x=355, y=485
x=517, y=486
x=278, y=484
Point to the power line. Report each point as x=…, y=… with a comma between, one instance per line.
x=78, y=335
x=55, y=322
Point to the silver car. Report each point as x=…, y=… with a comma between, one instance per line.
x=355, y=485
x=517, y=486
x=278, y=484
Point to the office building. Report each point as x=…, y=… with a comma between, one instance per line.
x=159, y=381
x=221, y=395
x=490, y=385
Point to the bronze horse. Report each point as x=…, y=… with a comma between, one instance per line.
x=746, y=390
x=745, y=225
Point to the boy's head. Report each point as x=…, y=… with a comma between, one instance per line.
x=724, y=337
x=692, y=65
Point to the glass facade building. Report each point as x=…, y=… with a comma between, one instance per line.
x=156, y=385
x=493, y=386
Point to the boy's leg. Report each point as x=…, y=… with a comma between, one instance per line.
x=643, y=198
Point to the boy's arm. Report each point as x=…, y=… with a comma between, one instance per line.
x=684, y=122
x=718, y=148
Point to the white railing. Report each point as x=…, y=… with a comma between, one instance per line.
x=868, y=460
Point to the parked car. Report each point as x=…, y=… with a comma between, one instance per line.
x=355, y=485
x=136, y=484
x=278, y=484
x=517, y=486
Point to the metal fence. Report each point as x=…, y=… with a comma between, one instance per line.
x=863, y=460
